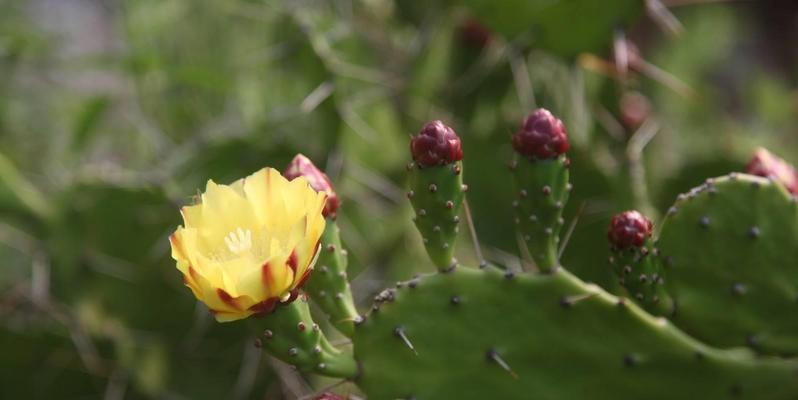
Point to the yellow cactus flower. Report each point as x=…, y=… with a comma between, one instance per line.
x=250, y=245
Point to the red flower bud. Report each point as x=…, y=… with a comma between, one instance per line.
x=474, y=34
x=541, y=136
x=302, y=166
x=629, y=229
x=436, y=144
x=765, y=164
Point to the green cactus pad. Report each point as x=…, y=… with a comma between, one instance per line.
x=542, y=191
x=639, y=271
x=328, y=285
x=437, y=196
x=292, y=336
x=729, y=248
x=477, y=334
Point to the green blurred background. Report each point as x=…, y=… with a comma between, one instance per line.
x=113, y=113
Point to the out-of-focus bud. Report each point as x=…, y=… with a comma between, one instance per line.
x=302, y=166
x=765, y=164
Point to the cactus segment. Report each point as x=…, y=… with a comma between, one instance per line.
x=479, y=334
x=542, y=191
x=729, y=249
x=328, y=285
x=639, y=271
x=293, y=337
x=436, y=194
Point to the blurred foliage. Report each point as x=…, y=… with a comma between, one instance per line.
x=114, y=113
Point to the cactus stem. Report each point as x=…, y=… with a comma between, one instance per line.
x=399, y=331
x=494, y=356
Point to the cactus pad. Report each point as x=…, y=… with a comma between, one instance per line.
x=729, y=248
x=479, y=334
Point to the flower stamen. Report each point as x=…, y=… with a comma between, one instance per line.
x=239, y=241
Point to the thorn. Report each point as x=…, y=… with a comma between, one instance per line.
x=301, y=326
x=495, y=357
x=568, y=301
x=570, y=230
x=268, y=334
x=455, y=300
x=400, y=332
x=546, y=190
x=293, y=352
x=704, y=221
x=754, y=232
x=433, y=188
x=629, y=360
x=473, y=232
x=410, y=194
x=449, y=205
x=738, y=289
x=522, y=193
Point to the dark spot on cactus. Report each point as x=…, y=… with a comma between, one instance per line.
x=517, y=220
x=509, y=275
x=753, y=232
x=561, y=221
x=699, y=356
x=316, y=349
x=558, y=205
x=422, y=212
x=293, y=352
x=733, y=176
x=449, y=204
x=627, y=270
x=456, y=169
x=672, y=211
x=548, y=231
x=640, y=297
x=433, y=188
x=704, y=222
x=455, y=300
x=738, y=289
x=267, y=334
x=736, y=390
x=410, y=166
x=522, y=193
x=425, y=240
x=436, y=228
x=629, y=360
x=315, y=327
x=669, y=261
x=412, y=284
x=569, y=187
x=533, y=217
x=512, y=165
x=515, y=203
x=752, y=341
x=331, y=248
x=755, y=184
x=566, y=302
x=452, y=266
x=339, y=296
x=410, y=194
x=483, y=264
x=527, y=238
x=546, y=190
x=621, y=303
x=258, y=343
x=301, y=326
x=321, y=366
x=611, y=260
x=359, y=320
x=643, y=278
x=463, y=188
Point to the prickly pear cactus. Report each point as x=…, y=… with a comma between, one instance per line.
x=720, y=276
x=437, y=190
x=729, y=250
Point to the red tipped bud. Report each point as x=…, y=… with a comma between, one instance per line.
x=328, y=396
x=629, y=229
x=765, y=164
x=635, y=109
x=475, y=34
x=541, y=136
x=302, y=166
x=436, y=144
